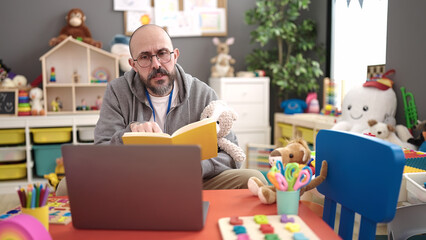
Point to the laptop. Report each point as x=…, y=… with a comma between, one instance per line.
x=143, y=187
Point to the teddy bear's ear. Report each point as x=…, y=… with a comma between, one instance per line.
x=372, y=122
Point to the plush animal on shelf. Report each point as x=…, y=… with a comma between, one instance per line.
x=120, y=47
x=387, y=133
x=222, y=62
x=295, y=151
x=374, y=100
x=36, y=96
x=225, y=117
x=420, y=140
x=76, y=28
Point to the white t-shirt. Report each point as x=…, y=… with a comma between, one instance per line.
x=160, y=105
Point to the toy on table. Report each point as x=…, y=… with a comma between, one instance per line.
x=265, y=227
x=222, y=62
x=76, y=28
x=296, y=151
x=36, y=96
x=387, y=133
x=100, y=75
x=292, y=106
x=55, y=177
x=225, y=117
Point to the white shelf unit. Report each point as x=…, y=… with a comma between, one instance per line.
x=27, y=123
x=72, y=57
x=249, y=97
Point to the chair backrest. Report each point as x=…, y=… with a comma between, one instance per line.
x=409, y=221
x=364, y=177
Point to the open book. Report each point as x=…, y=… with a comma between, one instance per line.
x=202, y=133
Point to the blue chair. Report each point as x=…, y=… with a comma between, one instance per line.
x=364, y=177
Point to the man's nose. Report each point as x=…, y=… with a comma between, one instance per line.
x=155, y=62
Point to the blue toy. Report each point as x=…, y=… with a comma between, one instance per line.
x=293, y=106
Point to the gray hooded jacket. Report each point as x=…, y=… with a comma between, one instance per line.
x=125, y=102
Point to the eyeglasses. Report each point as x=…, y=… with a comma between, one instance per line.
x=145, y=59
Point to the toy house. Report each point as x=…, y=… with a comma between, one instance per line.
x=75, y=76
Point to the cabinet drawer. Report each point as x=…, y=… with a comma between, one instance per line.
x=249, y=93
x=305, y=133
x=251, y=115
x=286, y=130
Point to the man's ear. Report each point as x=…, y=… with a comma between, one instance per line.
x=176, y=54
x=132, y=64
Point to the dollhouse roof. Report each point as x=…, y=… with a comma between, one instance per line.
x=80, y=43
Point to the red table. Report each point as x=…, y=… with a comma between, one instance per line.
x=223, y=203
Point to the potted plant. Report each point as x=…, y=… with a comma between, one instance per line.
x=286, y=41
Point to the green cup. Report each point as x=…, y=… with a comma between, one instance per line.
x=288, y=202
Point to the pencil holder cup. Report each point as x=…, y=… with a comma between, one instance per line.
x=288, y=202
x=40, y=213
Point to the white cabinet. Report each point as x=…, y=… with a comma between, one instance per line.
x=26, y=125
x=249, y=97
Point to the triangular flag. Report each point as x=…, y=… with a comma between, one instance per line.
x=349, y=1
x=360, y=2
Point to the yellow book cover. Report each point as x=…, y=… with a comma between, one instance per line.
x=202, y=133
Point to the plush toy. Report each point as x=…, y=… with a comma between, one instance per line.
x=120, y=47
x=420, y=141
x=387, y=133
x=312, y=103
x=222, y=62
x=225, y=117
x=374, y=100
x=76, y=28
x=36, y=96
x=295, y=151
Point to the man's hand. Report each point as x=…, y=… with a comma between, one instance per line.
x=145, y=127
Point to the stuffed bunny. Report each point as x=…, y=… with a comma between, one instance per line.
x=225, y=117
x=222, y=62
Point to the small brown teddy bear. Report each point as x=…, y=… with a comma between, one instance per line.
x=225, y=117
x=76, y=28
x=296, y=151
x=222, y=62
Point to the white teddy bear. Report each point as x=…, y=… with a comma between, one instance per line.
x=225, y=117
x=387, y=132
x=36, y=96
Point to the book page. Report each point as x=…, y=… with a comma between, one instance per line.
x=146, y=138
x=192, y=126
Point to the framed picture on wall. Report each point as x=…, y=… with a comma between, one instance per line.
x=182, y=18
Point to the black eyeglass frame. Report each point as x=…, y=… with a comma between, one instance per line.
x=150, y=59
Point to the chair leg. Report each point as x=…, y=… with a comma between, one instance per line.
x=346, y=225
x=329, y=213
x=367, y=230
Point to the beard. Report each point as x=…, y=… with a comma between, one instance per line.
x=162, y=87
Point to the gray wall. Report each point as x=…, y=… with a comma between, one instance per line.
x=27, y=27
x=406, y=52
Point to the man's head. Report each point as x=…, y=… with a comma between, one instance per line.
x=156, y=72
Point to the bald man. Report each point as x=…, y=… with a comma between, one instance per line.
x=156, y=95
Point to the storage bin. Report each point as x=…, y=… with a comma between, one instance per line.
x=13, y=171
x=12, y=136
x=45, y=158
x=51, y=135
x=416, y=192
x=286, y=130
x=86, y=134
x=306, y=133
x=12, y=154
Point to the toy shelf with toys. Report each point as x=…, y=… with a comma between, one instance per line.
x=305, y=125
x=75, y=76
x=29, y=146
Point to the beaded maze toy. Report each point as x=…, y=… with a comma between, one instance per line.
x=265, y=227
x=59, y=211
